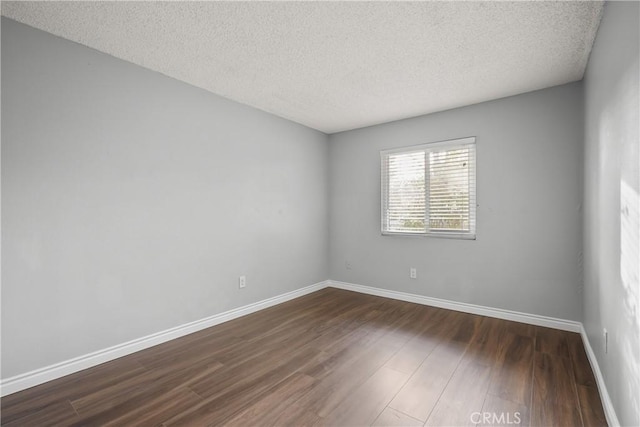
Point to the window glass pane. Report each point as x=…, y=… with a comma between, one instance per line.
x=406, y=192
x=449, y=190
x=430, y=189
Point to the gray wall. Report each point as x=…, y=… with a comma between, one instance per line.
x=529, y=173
x=132, y=202
x=612, y=205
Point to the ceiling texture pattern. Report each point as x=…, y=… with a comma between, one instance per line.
x=336, y=66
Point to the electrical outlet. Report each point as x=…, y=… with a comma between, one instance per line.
x=242, y=282
x=347, y=265
x=605, y=336
x=413, y=273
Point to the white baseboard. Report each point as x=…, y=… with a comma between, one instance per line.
x=607, y=404
x=58, y=370
x=533, y=319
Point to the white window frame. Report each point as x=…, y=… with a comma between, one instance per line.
x=430, y=147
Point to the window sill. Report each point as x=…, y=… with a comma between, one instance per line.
x=445, y=235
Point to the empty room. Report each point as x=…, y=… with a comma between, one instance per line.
x=320, y=213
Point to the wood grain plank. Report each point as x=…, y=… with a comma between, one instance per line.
x=581, y=366
x=167, y=405
x=591, y=407
x=552, y=413
x=512, y=376
x=518, y=328
x=392, y=418
x=553, y=379
x=411, y=355
x=268, y=409
x=24, y=403
x=368, y=401
x=285, y=359
x=462, y=397
x=331, y=390
x=554, y=399
x=552, y=341
x=296, y=415
x=55, y=414
x=333, y=356
x=142, y=388
x=464, y=326
x=488, y=342
x=222, y=404
x=501, y=412
x=421, y=393
x=189, y=353
x=129, y=401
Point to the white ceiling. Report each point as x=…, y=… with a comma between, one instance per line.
x=336, y=66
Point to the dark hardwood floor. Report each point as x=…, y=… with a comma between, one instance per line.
x=333, y=358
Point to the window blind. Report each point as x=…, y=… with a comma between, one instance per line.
x=430, y=189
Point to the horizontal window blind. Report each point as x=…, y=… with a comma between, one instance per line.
x=430, y=189
x=406, y=199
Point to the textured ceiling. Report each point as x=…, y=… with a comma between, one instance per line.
x=335, y=66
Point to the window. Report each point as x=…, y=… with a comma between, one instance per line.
x=430, y=189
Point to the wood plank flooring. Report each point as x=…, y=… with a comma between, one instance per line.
x=333, y=358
